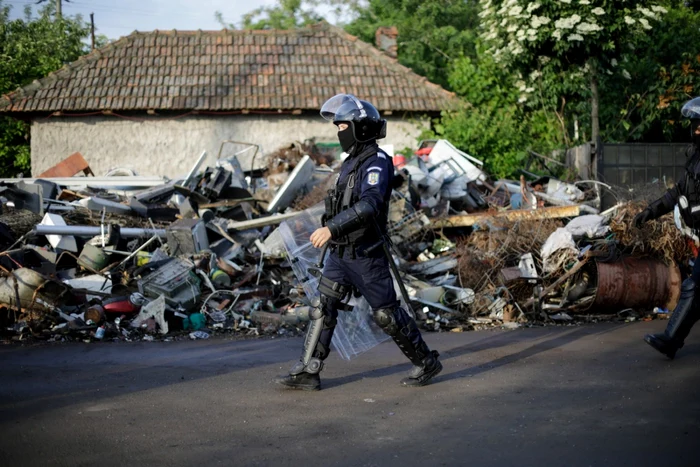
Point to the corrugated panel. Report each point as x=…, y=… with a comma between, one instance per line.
x=630, y=165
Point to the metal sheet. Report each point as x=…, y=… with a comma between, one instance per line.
x=66, y=242
x=444, y=150
x=195, y=169
x=300, y=176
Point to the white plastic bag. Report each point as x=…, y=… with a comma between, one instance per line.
x=591, y=226
x=559, y=249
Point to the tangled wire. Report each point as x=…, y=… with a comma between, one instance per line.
x=483, y=254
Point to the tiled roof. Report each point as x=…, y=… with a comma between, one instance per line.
x=229, y=70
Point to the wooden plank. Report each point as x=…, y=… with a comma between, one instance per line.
x=225, y=203
x=68, y=167
x=554, y=212
x=261, y=222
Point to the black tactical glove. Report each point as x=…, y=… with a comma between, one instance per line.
x=644, y=216
x=655, y=210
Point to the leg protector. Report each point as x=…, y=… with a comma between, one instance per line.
x=320, y=330
x=682, y=320
x=403, y=329
x=307, y=363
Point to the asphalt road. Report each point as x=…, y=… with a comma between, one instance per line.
x=591, y=395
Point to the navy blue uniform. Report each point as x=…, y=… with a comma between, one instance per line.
x=369, y=273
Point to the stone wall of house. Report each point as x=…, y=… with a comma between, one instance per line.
x=169, y=147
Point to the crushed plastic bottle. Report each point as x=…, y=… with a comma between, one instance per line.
x=199, y=335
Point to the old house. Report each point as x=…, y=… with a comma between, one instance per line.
x=153, y=101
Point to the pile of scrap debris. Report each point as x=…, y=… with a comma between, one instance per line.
x=128, y=257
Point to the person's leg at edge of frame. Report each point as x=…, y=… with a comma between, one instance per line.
x=685, y=315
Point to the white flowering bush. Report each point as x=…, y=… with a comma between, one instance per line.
x=516, y=30
x=581, y=41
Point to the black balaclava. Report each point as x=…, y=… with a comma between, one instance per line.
x=347, y=140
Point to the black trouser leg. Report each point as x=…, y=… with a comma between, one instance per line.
x=679, y=328
x=684, y=316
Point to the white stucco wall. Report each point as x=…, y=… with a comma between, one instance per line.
x=158, y=146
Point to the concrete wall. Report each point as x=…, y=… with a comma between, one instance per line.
x=157, y=146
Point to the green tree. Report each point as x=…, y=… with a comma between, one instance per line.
x=286, y=14
x=31, y=48
x=495, y=125
x=576, y=38
x=432, y=33
x=660, y=74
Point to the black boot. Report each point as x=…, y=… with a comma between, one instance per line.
x=317, y=346
x=304, y=381
x=421, y=375
x=682, y=320
x=403, y=329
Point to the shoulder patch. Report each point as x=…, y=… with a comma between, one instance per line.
x=373, y=178
x=374, y=167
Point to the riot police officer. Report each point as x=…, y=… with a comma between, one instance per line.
x=354, y=222
x=684, y=198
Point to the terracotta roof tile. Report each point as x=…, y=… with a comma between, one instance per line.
x=230, y=70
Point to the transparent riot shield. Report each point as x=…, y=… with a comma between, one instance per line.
x=356, y=331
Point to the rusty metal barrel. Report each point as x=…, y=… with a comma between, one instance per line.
x=640, y=283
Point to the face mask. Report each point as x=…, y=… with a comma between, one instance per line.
x=347, y=140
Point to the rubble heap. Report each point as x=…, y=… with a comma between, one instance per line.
x=130, y=257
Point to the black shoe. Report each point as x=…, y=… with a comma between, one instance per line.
x=663, y=344
x=304, y=381
x=421, y=375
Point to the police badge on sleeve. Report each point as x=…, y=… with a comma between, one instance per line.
x=373, y=178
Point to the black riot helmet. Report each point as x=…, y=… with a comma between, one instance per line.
x=691, y=110
x=361, y=116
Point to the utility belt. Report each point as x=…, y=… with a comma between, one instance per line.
x=348, y=250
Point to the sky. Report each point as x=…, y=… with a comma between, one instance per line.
x=116, y=18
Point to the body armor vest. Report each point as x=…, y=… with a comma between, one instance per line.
x=343, y=195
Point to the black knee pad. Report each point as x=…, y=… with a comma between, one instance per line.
x=386, y=319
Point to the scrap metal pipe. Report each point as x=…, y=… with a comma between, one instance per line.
x=136, y=181
x=87, y=231
x=637, y=283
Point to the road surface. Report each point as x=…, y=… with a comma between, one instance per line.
x=592, y=395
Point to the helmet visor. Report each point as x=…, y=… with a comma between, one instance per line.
x=691, y=109
x=342, y=107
